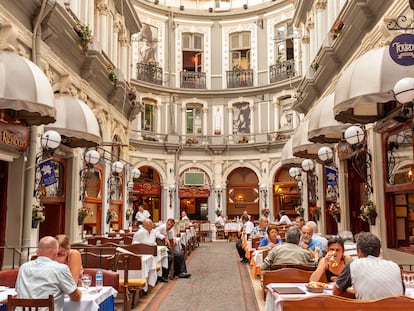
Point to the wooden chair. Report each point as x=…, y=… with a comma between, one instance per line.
x=30, y=304
x=204, y=231
x=125, y=264
x=98, y=240
x=8, y=277
x=284, y=275
x=110, y=278
x=296, y=266
x=141, y=249
x=335, y=303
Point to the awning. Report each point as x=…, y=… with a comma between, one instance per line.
x=323, y=128
x=76, y=122
x=287, y=157
x=301, y=146
x=25, y=90
x=366, y=85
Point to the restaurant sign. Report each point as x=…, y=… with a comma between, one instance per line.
x=147, y=188
x=14, y=136
x=193, y=193
x=402, y=49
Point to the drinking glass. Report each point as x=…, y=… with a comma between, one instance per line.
x=86, y=280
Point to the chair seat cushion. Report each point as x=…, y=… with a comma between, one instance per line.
x=133, y=282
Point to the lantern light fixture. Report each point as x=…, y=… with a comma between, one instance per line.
x=117, y=167
x=354, y=135
x=92, y=157
x=135, y=173
x=50, y=140
x=307, y=165
x=325, y=153
x=404, y=90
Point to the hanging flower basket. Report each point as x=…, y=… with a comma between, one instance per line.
x=299, y=210
x=265, y=212
x=315, y=211
x=110, y=215
x=38, y=215
x=368, y=212
x=371, y=221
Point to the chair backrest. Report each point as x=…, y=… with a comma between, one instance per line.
x=126, y=264
x=110, y=278
x=255, y=242
x=335, y=303
x=127, y=239
x=286, y=275
x=30, y=304
x=91, y=260
x=8, y=277
x=98, y=240
x=292, y=265
x=141, y=249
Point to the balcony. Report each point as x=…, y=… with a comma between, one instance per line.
x=282, y=71
x=193, y=80
x=149, y=73
x=239, y=78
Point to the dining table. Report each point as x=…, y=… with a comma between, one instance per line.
x=92, y=299
x=283, y=292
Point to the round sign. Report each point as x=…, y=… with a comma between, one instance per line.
x=402, y=49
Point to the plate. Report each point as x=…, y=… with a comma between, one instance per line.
x=3, y=288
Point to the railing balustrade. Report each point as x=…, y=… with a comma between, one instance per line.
x=239, y=78
x=149, y=73
x=193, y=80
x=282, y=71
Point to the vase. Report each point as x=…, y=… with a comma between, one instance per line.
x=35, y=223
x=338, y=218
x=371, y=221
x=80, y=220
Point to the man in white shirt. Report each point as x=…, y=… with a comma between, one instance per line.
x=284, y=219
x=246, y=228
x=147, y=235
x=142, y=214
x=180, y=268
x=220, y=222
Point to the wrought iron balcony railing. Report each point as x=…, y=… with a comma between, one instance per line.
x=149, y=73
x=239, y=78
x=282, y=71
x=193, y=80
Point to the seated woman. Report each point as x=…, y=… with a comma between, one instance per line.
x=334, y=261
x=271, y=240
x=70, y=257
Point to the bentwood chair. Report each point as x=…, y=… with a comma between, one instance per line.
x=30, y=304
x=8, y=277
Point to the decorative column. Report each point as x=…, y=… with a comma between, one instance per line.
x=102, y=29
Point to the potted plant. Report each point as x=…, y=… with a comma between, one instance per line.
x=38, y=215
x=112, y=74
x=335, y=211
x=82, y=213
x=237, y=70
x=315, y=211
x=336, y=28
x=128, y=213
x=85, y=36
x=110, y=215
x=299, y=210
x=368, y=212
x=218, y=211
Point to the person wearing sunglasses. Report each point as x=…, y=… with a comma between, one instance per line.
x=68, y=256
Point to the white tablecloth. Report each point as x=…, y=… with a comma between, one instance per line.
x=232, y=226
x=90, y=301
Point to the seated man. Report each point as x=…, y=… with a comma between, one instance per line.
x=284, y=219
x=369, y=276
x=220, y=221
x=260, y=231
x=317, y=236
x=309, y=243
x=44, y=276
x=290, y=252
x=180, y=268
x=247, y=227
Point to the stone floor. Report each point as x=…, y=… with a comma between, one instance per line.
x=218, y=282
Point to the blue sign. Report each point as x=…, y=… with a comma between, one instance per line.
x=402, y=49
x=47, y=172
x=331, y=176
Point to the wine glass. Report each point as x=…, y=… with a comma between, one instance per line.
x=86, y=280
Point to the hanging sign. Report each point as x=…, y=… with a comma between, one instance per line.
x=402, y=49
x=47, y=172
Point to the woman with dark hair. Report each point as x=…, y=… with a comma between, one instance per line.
x=333, y=263
x=271, y=240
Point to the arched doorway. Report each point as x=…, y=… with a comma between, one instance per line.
x=242, y=193
x=286, y=194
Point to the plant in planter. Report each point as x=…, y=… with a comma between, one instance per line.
x=82, y=213
x=299, y=210
x=336, y=29
x=335, y=211
x=111, y=215
x=85, y=36
x=112, y=74
x=237, y=70
x=315, y=66
x=368, y=212
x=315, y=211
x=218, y=211
x=38, y=214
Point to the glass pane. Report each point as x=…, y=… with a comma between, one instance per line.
x=246, y=40
x=400, y=157
x=198, y=42
x=147, y=117
x=234, y=42
x=190, y=119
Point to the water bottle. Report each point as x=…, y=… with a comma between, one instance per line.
x=99, y=279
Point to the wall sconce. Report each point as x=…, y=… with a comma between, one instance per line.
x=308, y=166
x=404, y=94
x=263, y=191
x=218, y=193
x=361, y=161
x=135, y=173
x=91, y=158
x=172, y=194
x=295, y=173
x=245, y=6
x=326, y=155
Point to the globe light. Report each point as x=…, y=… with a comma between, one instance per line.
x=354, y=135
x=117, y=167
x=92, y=157
x=135, y=173
x=307, y=165
x=404, y=90
x=325, y=153
x=51, y=139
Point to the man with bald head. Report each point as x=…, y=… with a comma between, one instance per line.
x=44, y=276
x=307, y=242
